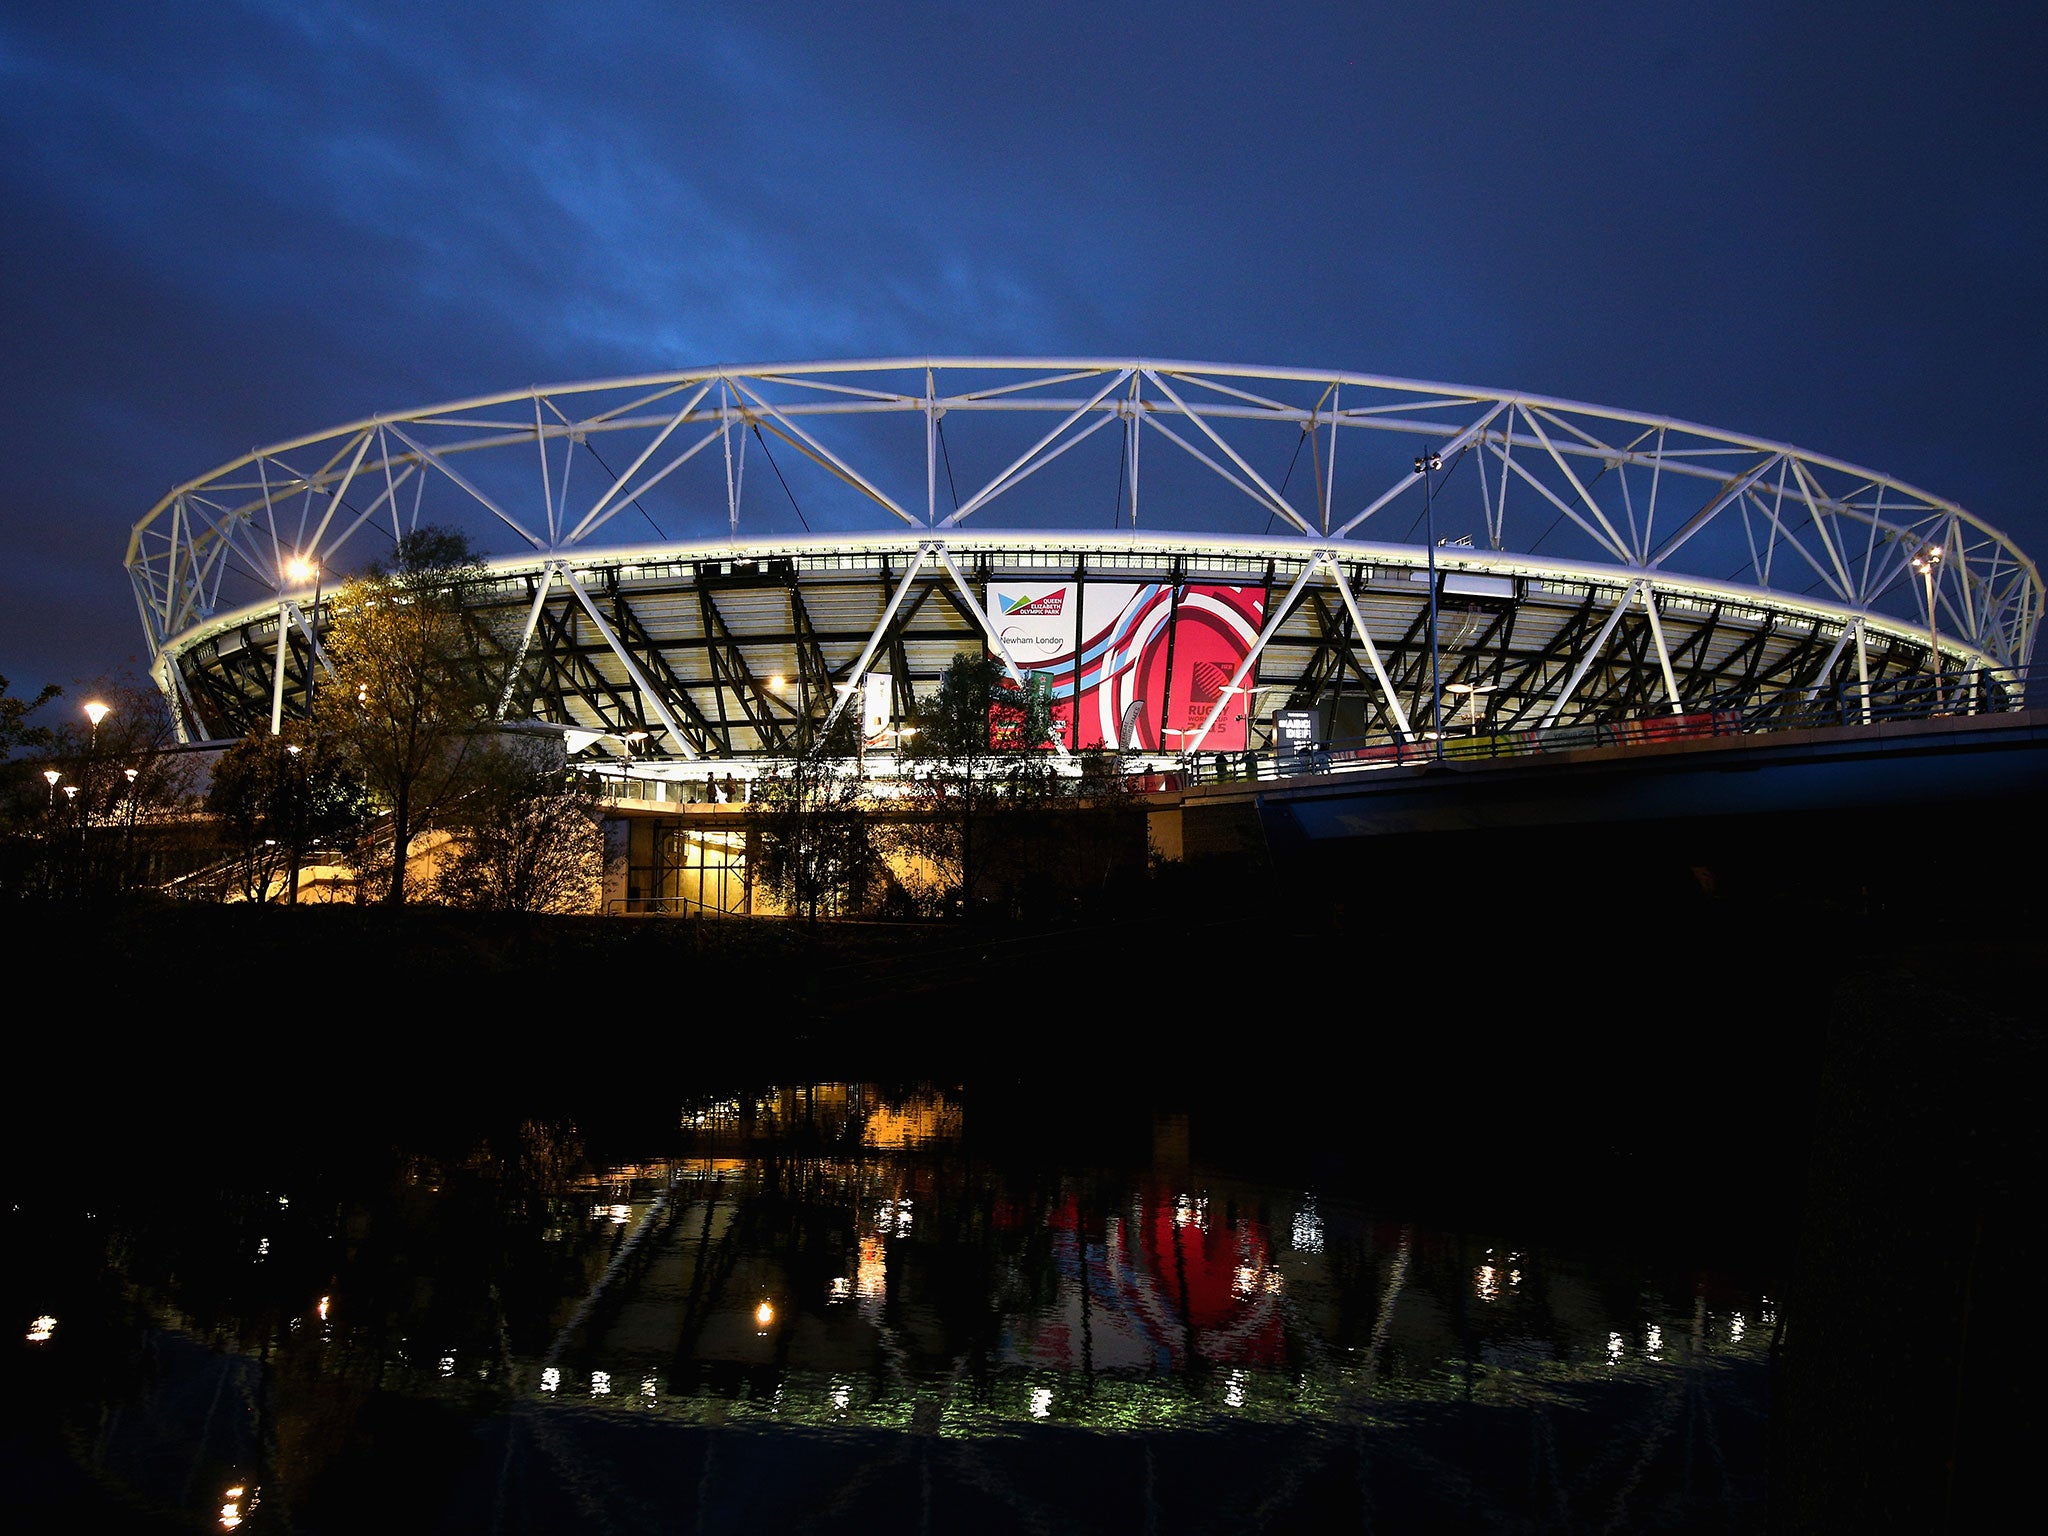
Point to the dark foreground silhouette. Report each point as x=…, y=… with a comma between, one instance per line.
x=1824, y=1094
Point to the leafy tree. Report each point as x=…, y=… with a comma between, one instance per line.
x=277, y=798
x=526, y=833
x=16, y=733
x=409, y=699
x=978, y=711
x=979, y=764
x=26, y=815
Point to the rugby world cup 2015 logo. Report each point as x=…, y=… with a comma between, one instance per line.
x=1050, y=606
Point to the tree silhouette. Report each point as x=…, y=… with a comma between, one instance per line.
x=526, y=833
x=276, y=798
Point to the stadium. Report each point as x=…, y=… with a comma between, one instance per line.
x=695, y=573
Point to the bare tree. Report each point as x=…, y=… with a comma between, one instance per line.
x=526, y=833
x=815, y=844
x=112, y=787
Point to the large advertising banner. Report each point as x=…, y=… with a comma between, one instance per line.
x=1215, y=628
x=1132, y=664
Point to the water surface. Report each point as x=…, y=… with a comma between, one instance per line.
x=849, y=1306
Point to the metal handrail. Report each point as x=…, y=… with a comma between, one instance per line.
x=1972, y=694
x=230, y=868
x=1963, y=694
x=671, y=906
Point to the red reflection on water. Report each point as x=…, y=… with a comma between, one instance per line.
x=1168, y=1284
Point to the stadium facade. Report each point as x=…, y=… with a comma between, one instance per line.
x=698, y=571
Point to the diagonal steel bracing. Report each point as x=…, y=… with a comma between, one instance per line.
x=572, y=674
x=731, y=674
x=859, y=669
x=696, y=735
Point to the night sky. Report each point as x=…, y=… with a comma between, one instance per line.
x=226, y=224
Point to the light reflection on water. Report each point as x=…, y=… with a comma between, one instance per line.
x=838, y=1258
x=1180, y=1307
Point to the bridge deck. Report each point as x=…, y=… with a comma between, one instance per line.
x=1983, y=761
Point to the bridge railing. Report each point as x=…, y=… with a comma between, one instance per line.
x=1956, y=696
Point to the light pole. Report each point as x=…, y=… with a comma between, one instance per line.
x=800, y=710
x=626, y=740
x=1426, y=465
x=1927, y=561
x=128, y=832
x=95, y=711
x=1471, y=692
x=1249, y=701
x=77, y=881
x=50, y=777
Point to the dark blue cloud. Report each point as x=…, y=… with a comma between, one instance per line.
x=229, y=224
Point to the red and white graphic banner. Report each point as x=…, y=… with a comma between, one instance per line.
x=1135, y=665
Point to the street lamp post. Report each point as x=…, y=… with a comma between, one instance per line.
x=1471, y=693
x=628, y=740
x=71, y=804
x=53, y=831
x=1426, y=465
x=95, y=711
x=128, y=831
x=1927, y=561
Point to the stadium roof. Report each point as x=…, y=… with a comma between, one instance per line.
x=817, y=522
